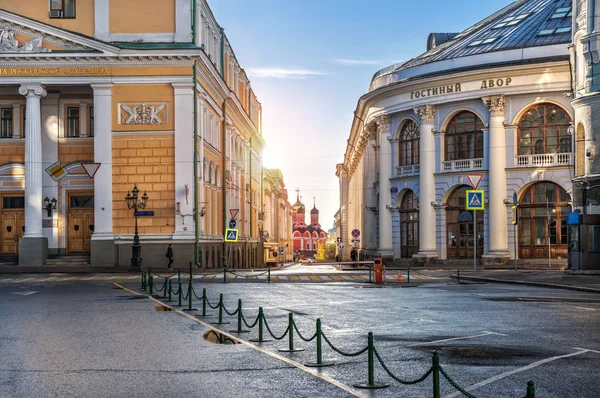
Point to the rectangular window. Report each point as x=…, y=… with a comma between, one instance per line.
x=13, y=202
x=62, y=9
x=91, y=129
x=73, y=121
x=6, y=125
x=86, y=202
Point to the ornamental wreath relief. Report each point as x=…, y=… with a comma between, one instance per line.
x=143, y=113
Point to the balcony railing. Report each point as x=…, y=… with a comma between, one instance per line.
x=408, y=171
x=462, y=165
x=543, y=160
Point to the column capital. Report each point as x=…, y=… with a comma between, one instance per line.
x=495, y=104
x=426, y=113
x=33, y=90
x=102, y=88
x=383, y=122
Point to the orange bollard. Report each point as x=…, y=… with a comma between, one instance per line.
x=378, y=270
x=399, y=277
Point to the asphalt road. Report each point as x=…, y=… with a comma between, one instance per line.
x=92, y=340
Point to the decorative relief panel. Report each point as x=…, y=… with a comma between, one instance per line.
x=8, y=43
x=143, y=113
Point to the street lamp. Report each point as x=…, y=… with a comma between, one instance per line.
x=50, y=205
x=135, y=204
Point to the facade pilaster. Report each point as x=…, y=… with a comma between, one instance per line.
x=184, y=155
x=395, y=216
x=498, y=230
x=427, y=243
x=33, y=247
x=385, y=173
x=102, y=245
x=202, y=166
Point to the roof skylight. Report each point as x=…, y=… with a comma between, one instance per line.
x=511, y=21
x=561, y=12
x=554, y=31
x=482, y=41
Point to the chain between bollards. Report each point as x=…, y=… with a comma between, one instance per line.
x=239, y=319
x=371, y=383
x=291, y=347
x=320, y=361
x=261, y=338
x=221, y=305
x=436, y=375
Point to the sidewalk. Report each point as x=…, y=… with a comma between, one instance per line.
x=551, y=279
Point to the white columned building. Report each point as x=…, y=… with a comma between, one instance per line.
x=385, y=168
x=427, y=245
x=498, y=246
x=33, y=247
x=102, y=244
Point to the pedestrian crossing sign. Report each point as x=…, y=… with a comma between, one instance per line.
x=231, y=235
x=475, y=199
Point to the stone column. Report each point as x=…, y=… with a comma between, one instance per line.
x=102, y=245
x=33, y=247
x=49, y=135
x=385, y=173
x=184, y=155
x=427, y=233
x=498, y=230
x=396, y=242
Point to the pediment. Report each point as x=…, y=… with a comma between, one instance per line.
x=20, y=35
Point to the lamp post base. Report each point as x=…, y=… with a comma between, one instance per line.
x=136, y=257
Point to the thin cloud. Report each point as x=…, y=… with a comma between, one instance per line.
x=283, y=73
x=345, y=61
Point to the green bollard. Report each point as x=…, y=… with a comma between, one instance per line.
x=290, y=336
x=180, y=294
x=151, y=285
x=268, y=274
x=225, y=275
x=458, y=275
x=190, y=293
x=165, y=288
x=143, y=281
x=178, y=275
x=260, y=328
x=530, y=389
x=204, y=299
x=436, y=375
x=371, y=383
x=239, y=319
x=320, y=361
x=221, y=304
x=170, y=290
x=408, y=274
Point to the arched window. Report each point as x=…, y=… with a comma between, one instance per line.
x=409, y=225
x=211, y=169
x=543, y=209
x=409, y=143
x=544, y=128
x=464, y=137
x=460, y=226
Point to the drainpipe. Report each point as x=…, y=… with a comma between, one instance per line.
x=196, y=204
x=194, y=11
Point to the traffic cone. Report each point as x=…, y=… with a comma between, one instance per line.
x=399, y=277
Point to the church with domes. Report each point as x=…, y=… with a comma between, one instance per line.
x=306, y=237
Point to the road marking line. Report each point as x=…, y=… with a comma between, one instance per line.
x=88, y=279
x=586, y=308
x=315, y=372
x=304, y=278
x=594, y=351
x=314, y=278
x=325, y=278
x=111, y=277
x=512, y=372
x=7, y=280
x=442, y=340
x=65, y=279
x=45, y=279
x=132, y=277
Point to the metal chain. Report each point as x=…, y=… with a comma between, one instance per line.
x=163, y=276
x=246, y=323
x=300, y=334
x=271, y=333
x=399, y=380
x=185, y=296
x=346, y=354
x=194, y=291
x=230, y=313
x=454, y=384
x=157, y=290
x=208, y=302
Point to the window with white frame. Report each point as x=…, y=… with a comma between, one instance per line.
x=6, y=122
x=62, y=9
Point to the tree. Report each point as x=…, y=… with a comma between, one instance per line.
x=325, y=251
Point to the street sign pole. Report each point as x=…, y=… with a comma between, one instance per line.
x=475, y=241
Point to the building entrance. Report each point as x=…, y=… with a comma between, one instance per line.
x=13, y=223
x=80, y=225
x=461, y=228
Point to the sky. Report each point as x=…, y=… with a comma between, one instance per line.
x=309, y=62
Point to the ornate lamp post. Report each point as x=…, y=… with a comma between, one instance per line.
x=135, y=204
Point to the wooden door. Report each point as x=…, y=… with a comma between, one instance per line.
x=13, y=228
x=88, y=231
x=80, y=230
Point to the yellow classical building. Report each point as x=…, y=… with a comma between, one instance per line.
x=100, y=96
